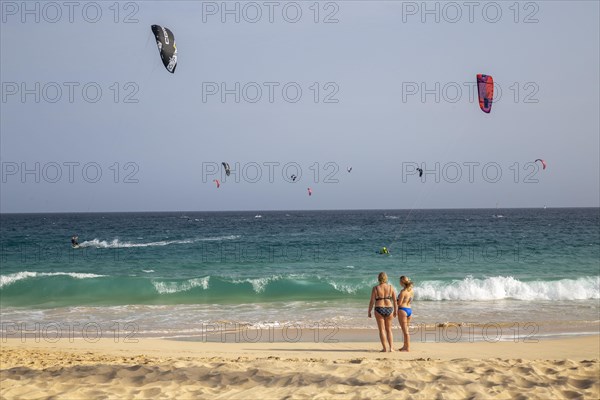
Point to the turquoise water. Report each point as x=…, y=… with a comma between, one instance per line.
x=163, y=270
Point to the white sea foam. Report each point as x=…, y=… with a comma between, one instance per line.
x=6, y=280
x=176, y=287
x=117, y=244
x=345, y=288
x=507, y=287
x=259, y=284
x=229, y=237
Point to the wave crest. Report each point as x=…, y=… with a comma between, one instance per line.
x=507, y=287
x=6, y=280
x=176, y=287
x=259, y=284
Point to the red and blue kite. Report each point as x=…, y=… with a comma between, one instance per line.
x=485, y=86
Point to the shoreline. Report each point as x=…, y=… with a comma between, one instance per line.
x=577, y=348
x=150, y=368
x=51, y=331
x=436, y=333
x=580, y=348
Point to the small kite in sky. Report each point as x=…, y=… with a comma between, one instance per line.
x=542, y=161
x=165, y=40
x=485, y=88
x=227, y=169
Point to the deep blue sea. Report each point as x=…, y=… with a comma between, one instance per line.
x=170, y=274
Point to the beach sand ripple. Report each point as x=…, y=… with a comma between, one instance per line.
x=35, y=373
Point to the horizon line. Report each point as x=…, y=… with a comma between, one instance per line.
x=296, y=210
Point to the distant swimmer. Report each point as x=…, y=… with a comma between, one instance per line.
x=74, y=241
x=384, y=250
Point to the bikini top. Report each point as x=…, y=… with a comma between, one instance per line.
x=409, y=300
x=383, y=298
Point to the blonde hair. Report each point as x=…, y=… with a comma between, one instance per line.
x=407, y=282
x=382, y=277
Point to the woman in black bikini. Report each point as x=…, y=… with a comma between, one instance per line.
x=382, y=297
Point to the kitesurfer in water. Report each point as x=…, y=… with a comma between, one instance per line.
x=74, y=241
x=384, y=250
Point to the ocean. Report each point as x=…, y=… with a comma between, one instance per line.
x=186, y=274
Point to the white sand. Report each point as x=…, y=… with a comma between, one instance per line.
x=150, y=368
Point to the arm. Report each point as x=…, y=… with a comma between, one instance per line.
x=395, y=303
x=372, y=301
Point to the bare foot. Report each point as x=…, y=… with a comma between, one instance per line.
x=392, y=350
x=403, y=349
x=383, y=351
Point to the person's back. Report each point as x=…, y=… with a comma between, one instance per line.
x=386, y=297
x=404, y=309
x=405, y=297
x=382, y=297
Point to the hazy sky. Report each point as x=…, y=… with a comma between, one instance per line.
x=385, y=85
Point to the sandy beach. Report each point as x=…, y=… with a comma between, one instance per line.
x=226, y=200
x=152, y=368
